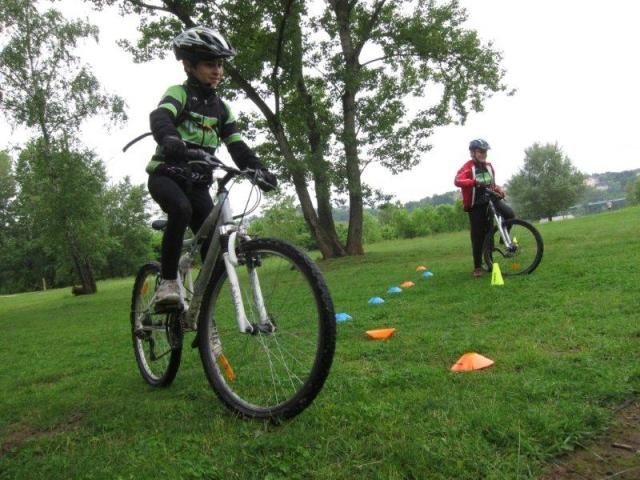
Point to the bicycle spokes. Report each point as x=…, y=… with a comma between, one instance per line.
x=277, y=367
x=524, y=252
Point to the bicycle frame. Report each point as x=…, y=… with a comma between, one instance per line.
x=219, y=222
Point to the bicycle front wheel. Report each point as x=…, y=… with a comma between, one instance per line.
x=276, y=371
x=157, y=338
x=525, y=254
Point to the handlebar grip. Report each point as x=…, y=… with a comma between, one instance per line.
x=202, y=157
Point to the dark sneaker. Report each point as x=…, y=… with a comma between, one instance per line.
x=478, y=272
x=168, y=293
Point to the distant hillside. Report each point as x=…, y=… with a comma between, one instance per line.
x=434, y=200
x=608, y=185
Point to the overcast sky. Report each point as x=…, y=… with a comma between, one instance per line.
x=574, y=65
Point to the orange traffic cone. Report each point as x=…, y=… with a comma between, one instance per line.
x=471, y=361
x=407, y=284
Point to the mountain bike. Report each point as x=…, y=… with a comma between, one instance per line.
x=515, y=244
x=262, y=312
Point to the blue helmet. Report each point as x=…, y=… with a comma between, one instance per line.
x=479, y=144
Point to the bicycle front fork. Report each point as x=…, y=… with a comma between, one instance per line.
x=231, y=262
x=504, y=233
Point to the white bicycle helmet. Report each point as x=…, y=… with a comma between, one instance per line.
x=201, y=43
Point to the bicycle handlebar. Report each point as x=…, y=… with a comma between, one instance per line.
x=201, y=157
x=487, y=189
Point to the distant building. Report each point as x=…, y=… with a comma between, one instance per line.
x=591, y=181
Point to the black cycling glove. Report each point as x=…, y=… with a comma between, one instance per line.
x=266, y=180
x=174, y=148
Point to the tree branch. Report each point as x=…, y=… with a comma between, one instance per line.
x=373, y=20
x=140, y=4
x=274, y=75
x=386, y=57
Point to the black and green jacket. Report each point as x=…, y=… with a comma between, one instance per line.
x=194, y=112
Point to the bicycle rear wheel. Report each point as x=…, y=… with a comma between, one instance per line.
x=523, y=257
x=268, y=374
x=157, y=338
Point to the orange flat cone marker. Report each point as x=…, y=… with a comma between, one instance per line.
x=380, y=334
x=407, y=284
x=471, y=361
x=421, y=268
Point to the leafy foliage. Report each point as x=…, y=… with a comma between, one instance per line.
x=49, y=87
x=282, y=219
x=633, y=191
x=59, y=226
x=129, y=238
x=60, y=199
x=340, y=86
x=547, y=184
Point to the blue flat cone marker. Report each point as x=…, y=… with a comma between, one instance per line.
x=342, y=317
x=427, y=274
x=394, y=290
x=375, y=300
x=496, y=275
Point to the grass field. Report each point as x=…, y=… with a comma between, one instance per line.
x=565, y=341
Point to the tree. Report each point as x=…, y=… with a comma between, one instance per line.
x=7, y=192
x=317, y=88
x=53, y=93
x=282, y=219
x=632, y=191
x=130, y=239
x=61, y=199
x=547, y=184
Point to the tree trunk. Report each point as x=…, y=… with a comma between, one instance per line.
x=342, y=9
x=320, y=169
x=295, y=167
x=83, y=267
x=354, y=236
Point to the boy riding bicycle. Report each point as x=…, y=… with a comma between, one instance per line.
x=192, y=116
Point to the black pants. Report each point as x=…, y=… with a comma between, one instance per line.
x=184, y=207
x=479, y=221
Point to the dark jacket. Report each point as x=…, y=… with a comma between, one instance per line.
x=194, y=112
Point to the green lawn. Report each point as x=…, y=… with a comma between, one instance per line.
x=565, y=341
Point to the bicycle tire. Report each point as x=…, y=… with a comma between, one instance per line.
x=157, y=338
x=528, y=254
x=244, y=369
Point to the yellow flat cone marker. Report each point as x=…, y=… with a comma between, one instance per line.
x=496, y=275
x=421, y=268
x=407, y=284
x=380, y=334
x=471, y=361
